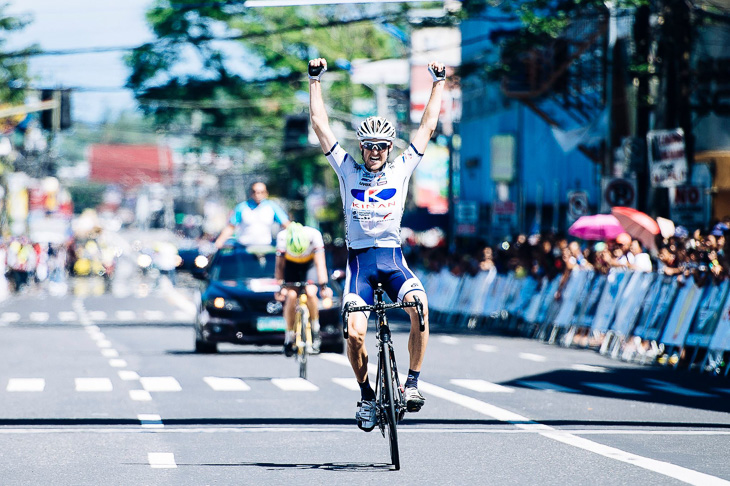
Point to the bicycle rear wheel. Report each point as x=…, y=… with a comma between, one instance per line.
x=389, y=405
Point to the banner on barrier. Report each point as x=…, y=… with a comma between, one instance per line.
x=587, y=307
x=721, y=338
x=683, y=311
x=577, y=283
x=630, y=305
x=615, y=283
x=708, y=314
x=653, y=326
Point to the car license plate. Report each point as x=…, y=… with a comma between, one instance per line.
x=270, y=324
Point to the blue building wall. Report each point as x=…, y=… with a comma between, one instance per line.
x=539, y=159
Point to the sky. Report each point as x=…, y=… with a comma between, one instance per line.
x=70, y=24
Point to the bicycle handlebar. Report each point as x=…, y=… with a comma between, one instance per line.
x=381, y=307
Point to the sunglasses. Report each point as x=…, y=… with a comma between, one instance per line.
x=375, y=145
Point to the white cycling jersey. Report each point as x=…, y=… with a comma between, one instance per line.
x=373, y=201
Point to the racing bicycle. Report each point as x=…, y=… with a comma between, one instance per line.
x=390, y=401
x=302, y=326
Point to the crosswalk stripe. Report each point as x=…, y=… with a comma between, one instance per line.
x=485, y=348
x=140, y=395
x=294, y=384
x=10, y=317
x=128, y=375
x=153, y=315
x=150, y=421
x=160, y=384
x=676, y=389
x=93, y=384
x=161, y=460
x=349, y=383
x=482, y=386
x=589, y=368
x=104, y=343
x=67, y=316
x=226, y=384
x=532, y=357
x=109, y=353
x=26, y=385
x=97, y=315
x=613, y=388
x=448, y=340
x=117, y=363
x=125, y=315
x=182, y=315
x=39, y=316
x=546, y=386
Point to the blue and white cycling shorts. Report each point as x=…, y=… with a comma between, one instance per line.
x=366, y=267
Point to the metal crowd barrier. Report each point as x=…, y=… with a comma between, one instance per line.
x=634, y=316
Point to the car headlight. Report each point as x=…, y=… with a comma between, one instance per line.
x=223, y=304
x=201, y=261
x=144, y=260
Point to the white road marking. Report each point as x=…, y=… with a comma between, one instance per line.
x=182, y=316
x=485, y=348
x=676, y=389
x=92, y=328
x=482, y=386
x=26, y=385
x=153, y=315
x=589, y=368
x=613, y=388
x=532, y=357
x=161, y=460
x=150, y=421
x=128, y=375
x=117, y=363
x=226, y=384
x=160, y=384
x=349, y=383
x=546, y=386
x=67, y=316
x=93, y=384
x=10, y=317
x=109, y=353
x=103, y=343
x=96, y=335
x=294, y=384
x=140, y=395
x=125, y=315
x=39, y=316
x=97, y=315
x=448, y=340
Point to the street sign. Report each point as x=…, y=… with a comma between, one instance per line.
x=667, y=158
x=689, y=206
x=618, y=191
x=577, y=205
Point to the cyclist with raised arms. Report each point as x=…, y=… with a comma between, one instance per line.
x=373, y=195
x=297, y=249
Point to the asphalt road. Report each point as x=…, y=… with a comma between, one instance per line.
x=104, y=388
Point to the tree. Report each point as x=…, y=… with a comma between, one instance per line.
x=13, y=65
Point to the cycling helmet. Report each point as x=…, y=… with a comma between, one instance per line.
x=297, y=239
x=376, y=128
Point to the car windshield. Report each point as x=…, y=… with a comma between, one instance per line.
x=241, y=266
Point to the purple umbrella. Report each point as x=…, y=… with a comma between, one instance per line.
x=596, y=227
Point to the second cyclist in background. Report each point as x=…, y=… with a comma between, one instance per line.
x=298, y=248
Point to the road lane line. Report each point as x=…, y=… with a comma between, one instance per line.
x=689, y=476
x=161, y=460
x=67, y=316
x=613, y=388
x=140, y=395
x=482, y=386
x=546, y=386
x=160, y=384
x=150, y=421
x=676, y=389
x=226, y=384
x=128, y=375
x=26, y=385
x=589, y=368
x=486, y=348
x=349, y=383
x=294, y=384
x=39, y=316
x=93, y=385
x=448, y=340
x=117, y=363
x=10, y=317
x=537, y=358
x=153, y=315
x=125, y=315
x=110, y=353
x=97, y=315
x=104, y=343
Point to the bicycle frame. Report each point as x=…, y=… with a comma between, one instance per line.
x=302, y=326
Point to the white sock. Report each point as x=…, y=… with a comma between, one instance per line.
x=288, y=337
x=315, y=325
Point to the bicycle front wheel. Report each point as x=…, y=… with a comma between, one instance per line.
x=389, y=406
x=302, y=351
